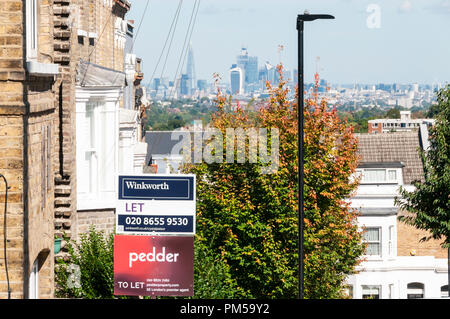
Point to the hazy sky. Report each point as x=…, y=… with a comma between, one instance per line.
x=384, y=41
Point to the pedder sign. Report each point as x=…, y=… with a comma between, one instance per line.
x=153, y=265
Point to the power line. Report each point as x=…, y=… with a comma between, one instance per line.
x=139, y=26
x=188, y=36
x=95, y=45
x=170, y=45
x=175, y=18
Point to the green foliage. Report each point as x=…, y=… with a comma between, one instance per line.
x=393, y=114
x=249, y=219
x=429, y=203
x=178, y=113
x=94, y=255
x=212, y=279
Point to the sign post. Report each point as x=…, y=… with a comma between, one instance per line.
x=155, y=227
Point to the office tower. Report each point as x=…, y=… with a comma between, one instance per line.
x=236, y=80
x=249, y=66
x=156, y=83
x=242, y=60
x=252, y=70
x=190, y=70
x=184, y=85
x=201, y=85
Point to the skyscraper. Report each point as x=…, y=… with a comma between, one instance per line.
x=236, y=79
x=184, y=85
x=252, y=70
x=249, y=66
x=190, y=70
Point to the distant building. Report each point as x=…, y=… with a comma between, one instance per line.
x=252, y=70
x=249, y=66
x=190, y=71
x=202, y=85
x=236, y=80
x=404, y=123
x=184, y=85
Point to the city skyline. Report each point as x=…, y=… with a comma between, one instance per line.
x=367, y=43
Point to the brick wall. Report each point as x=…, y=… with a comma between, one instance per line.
x=27, y=139
x=408, y=239
x=103, y=220
x=12, y=109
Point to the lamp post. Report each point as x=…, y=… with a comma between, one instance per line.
x=301, y=18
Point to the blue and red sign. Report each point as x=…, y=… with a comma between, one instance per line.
x=153, y=265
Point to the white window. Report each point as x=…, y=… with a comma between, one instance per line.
x=378, y=175
x=97, y=142
x=415, y=290
x=391, y=291
x=372, y=236
x=391, y=241
x=31, y=29
x=392, y=175
x=374, y=175
x=444, y=291
x=371, y=292
x=33, y=283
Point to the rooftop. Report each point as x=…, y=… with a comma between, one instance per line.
x=393, y=147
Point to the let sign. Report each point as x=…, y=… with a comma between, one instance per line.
x=153, y=265
x=156, y=204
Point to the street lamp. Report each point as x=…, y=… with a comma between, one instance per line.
x=301, y=18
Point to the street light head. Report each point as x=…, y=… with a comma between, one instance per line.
x=311, y=17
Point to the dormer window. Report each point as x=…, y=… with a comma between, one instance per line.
x=380, y=173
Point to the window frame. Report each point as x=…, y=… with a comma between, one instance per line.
x=360, y=173
x=32, y=18
x=370, y=287
x=379, y=242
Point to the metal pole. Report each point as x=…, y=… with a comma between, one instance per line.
x=301, y=253
x=300, y=159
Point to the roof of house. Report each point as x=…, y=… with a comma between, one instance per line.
x=163, y=142
x=400, y=147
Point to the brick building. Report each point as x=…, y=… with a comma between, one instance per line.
x=397, y=264
x=404, y=124
x=28, y=146
x=58, y=59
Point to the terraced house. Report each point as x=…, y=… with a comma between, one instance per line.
x=397, y=265
x=62, y=84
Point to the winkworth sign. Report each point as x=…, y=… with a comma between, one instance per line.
x=156, y=204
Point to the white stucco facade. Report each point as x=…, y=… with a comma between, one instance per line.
x=384, y=272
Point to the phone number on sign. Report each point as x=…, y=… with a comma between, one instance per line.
x=157, y=221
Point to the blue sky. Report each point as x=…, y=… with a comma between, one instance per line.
x=384, y=41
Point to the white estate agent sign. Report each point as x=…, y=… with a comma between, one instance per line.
x=156, y=204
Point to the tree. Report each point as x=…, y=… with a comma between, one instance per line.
x=250, y=220
x=429, y=203
x=393, y=114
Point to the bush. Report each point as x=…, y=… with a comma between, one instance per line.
x=89, y=272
